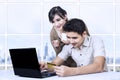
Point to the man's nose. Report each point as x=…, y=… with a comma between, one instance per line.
x=71, y=40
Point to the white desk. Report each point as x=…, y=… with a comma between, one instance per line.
x=9, y=75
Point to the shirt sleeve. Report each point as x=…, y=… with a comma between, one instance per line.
x=99, y=49
x=64, y=54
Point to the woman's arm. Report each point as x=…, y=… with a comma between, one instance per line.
x=55, y=40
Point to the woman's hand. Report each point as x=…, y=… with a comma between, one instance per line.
x=64, y=38
x=65, y=41
x=56, y=43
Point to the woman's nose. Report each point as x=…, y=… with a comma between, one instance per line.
x=56, y=24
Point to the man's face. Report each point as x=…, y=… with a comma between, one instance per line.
x=75, y=39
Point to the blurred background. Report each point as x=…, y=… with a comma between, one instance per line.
x=24, y=23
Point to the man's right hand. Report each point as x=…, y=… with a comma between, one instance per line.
x=43, y=65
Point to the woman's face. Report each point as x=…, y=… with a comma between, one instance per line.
x=58, y=22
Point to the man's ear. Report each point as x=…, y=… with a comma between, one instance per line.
x=84, y=34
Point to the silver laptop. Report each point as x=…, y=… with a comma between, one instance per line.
x=25, y=63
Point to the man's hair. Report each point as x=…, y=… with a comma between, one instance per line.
x=75, y=25
x=57, y=10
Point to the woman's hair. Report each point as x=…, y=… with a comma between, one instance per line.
x=75, y=25
x=57, y=10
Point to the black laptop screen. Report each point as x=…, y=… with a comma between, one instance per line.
x=24, y=58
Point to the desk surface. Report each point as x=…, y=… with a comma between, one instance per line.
x=9, y=75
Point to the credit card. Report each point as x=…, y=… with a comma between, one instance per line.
x=50, y=65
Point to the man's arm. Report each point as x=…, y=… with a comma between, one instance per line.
x=97, y=66
x=58, y=61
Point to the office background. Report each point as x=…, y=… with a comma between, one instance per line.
x=24, y=23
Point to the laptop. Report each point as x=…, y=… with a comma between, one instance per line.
x=25, y=63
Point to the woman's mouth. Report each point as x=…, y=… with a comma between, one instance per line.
x=58, y=27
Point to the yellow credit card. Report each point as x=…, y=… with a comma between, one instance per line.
x=50, y=65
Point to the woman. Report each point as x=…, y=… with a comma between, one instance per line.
x=58, y=17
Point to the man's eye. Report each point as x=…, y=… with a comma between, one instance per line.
x=68, y=37
x=74, y=38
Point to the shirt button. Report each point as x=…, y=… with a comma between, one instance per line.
x=80, y=54
x=81, y=65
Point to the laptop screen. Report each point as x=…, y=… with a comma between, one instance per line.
x=25, y=62
x=24, y=58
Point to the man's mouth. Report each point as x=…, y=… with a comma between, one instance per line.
x=73, y=44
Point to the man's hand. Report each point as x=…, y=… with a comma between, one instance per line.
x=43, y=65
x=63, y=70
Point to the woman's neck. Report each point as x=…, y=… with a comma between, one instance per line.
x=59, y=32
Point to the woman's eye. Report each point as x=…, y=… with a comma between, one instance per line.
x=58, y=20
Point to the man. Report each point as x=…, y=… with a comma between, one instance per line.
x=88, y=52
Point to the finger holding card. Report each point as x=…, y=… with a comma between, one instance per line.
x=50, y=66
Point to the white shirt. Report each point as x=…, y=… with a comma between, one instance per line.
x=84, y=55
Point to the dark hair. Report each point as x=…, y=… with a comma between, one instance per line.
x=56, y=10
x=75, y=25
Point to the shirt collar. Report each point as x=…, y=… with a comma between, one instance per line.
x=86, y=41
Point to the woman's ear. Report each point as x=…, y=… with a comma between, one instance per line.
x=66, y=18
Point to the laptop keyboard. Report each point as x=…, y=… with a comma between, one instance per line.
x=47, y=74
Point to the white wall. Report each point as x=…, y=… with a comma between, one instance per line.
x=24, y=23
